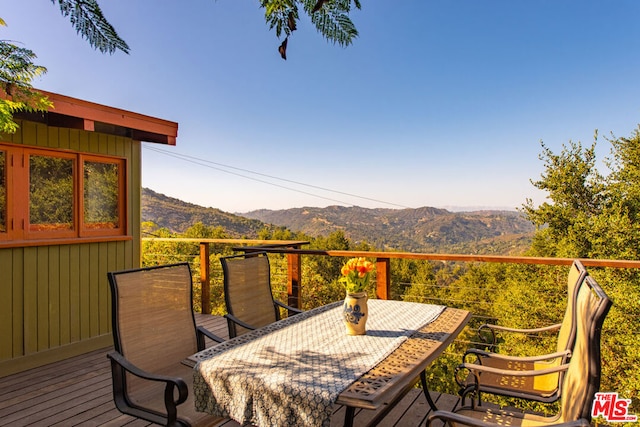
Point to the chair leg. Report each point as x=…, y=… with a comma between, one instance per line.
x=464, y=392
x=472, y=393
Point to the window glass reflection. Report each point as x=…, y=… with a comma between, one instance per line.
x=101, y=210
x=50, y=193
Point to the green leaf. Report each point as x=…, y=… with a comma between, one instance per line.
x=17, y=70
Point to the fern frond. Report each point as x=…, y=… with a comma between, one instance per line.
x=17, y=70
x=342, y=6
x=17, y=67
x=335, y=27
x=90, y=23
x=332, y=20
x=281, y=15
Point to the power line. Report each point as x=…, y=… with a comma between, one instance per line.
x=198, y=162
x=209, y=163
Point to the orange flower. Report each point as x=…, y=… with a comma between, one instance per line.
x=356, y=274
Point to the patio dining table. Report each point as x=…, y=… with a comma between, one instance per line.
x=293, y=372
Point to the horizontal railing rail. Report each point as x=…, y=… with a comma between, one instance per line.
x=383, y=273
x=205, y=253
x=292, y=249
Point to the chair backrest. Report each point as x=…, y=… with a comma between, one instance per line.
x=153, y=322
x=582, y=379
x=247, y=291
x=567, y=333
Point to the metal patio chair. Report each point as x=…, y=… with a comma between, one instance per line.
x=247, y=293
x=154, y=330
x=543, y=389
x=581, y=380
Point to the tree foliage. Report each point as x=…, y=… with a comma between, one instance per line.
x=89, y=22
x=623, y=188
x=17, y=71
x=586, y=215
x=594, y=216
x=330, y=17
x=575, y=192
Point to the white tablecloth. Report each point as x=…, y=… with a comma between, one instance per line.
x=291, y=372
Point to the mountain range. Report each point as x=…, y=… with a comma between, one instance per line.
x=176, y=216
x=424, y=229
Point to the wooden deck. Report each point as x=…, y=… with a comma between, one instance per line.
x=77, y=392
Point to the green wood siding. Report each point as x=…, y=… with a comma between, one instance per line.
x=54, y=299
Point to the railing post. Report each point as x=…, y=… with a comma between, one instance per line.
x=294, y=279
x=205, y=283
x=383, y=278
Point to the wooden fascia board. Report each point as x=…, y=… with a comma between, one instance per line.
x=152, y=129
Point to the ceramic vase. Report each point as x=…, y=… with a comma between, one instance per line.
x=355, y=313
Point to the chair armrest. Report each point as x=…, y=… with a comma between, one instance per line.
x=120, y=365
x=479, y=354
x=477, y=370
x=286, y=307
x=203, y=332
x=237, y=321
x=506, y=372
x=494, y=328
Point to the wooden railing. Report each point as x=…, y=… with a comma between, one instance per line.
x=383, y=274
x=205, y=272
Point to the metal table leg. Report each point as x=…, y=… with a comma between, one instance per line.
x=348, y=416
x=425, y=389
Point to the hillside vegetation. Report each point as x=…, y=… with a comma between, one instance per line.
x=424, y=229
x=177, y=216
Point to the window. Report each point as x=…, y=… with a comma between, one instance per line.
x=102, y=205
x=51, y=194
x=68, y=195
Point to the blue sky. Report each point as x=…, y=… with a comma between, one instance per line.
x=437, y=103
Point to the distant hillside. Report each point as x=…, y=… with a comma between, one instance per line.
x=177, y=216
x=422, y=229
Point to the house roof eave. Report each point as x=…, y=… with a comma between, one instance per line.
x=76, y=113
